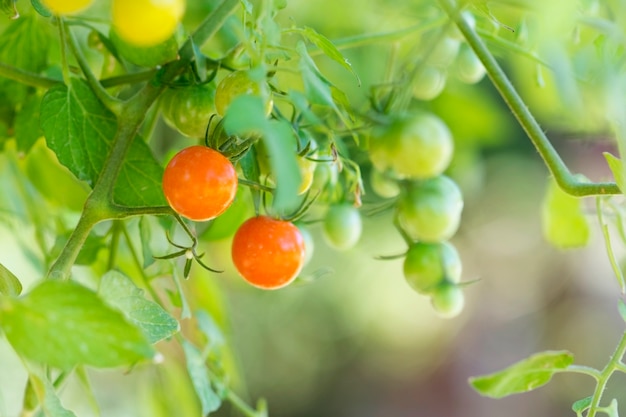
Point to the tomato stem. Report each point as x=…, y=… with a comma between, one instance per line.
x=566, y=180
x=108, y=100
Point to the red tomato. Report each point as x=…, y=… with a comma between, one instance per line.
x=268, y=253
x=199, y=183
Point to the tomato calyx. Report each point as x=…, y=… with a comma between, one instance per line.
x=188, y=252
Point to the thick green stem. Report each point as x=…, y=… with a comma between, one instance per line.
x=613, y=365
x=208, y=27
x=109, y=101
x=61, y=267
x=568, y=182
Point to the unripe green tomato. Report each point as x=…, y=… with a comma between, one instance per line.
x=427, y=265
x=235, y=84
x=444, y=52
x=416, y=146
x=325, y=176
x=430, y=210
x=383, y=185
x=468, y=67
x=342, y=226
x=428, y=83
x=448, y=300
x=189, y=109
x=65, y=7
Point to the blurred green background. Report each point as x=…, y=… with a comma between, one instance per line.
x=358, y=341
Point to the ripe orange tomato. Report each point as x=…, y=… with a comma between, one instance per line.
x=268, y=253
x=199, y=183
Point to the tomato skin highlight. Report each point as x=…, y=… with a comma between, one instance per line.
x=268, y=253
x=199, y=183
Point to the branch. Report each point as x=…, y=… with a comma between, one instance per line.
x=108, y=100
x=26, y=77
x=208, y=27
x=568, y=182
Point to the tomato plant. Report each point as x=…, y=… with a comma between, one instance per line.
x=412, y=146
x=430, y=210
x=199, y=183
x=268, y=253
x=119, y=237
x=189, y=109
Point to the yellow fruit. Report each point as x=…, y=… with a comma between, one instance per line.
x=63, y=7
x=147, y=22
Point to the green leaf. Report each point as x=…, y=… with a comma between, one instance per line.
x=23, y=44
x=54, y=181
x=328, y=48
x=50, y=401
x=119, y=292
x=80, y=130
x=27, y=129
x=563, y=219
x=316, y=86
x=621, y=307
x=246, y=116
x=211, y=330
x=199, y=375
x=9, y=284
x=617, y=168
x=63, y=324
x=279, y=141
x=139, y=182
x=40, y=8
x=523, y=376
x=581, y=405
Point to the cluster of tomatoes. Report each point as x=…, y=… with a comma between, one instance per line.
x=200, y=183
x=445, y=53
x=139, y=22
x=409, y=153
